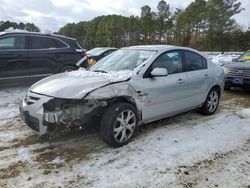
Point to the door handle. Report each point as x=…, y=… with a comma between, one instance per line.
x=180, y=81
x=142, y=93
x=206, y=76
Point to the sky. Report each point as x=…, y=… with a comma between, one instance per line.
x=53, y=14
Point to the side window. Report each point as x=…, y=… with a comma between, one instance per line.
x=12, y=42
x=171, y=61
x=45, y=43
x=194, y=61
x=59, y=44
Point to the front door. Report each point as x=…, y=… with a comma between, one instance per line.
x=166, y=94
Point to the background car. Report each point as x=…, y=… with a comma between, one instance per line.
x=94, y=55
x=243, y=58
x=238, y=72
x=27, y=56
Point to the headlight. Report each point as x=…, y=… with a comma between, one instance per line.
x=54, y=104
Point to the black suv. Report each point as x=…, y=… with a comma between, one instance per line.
x=27, y=56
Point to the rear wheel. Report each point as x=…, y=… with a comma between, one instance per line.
x=118, y=124
x=68, y=68
x=212, y=101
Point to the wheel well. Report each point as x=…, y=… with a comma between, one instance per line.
x=218, y=88
x=128, y=100
x=125, y=99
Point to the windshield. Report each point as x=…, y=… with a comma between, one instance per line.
x=245, y=57
x=126, y=59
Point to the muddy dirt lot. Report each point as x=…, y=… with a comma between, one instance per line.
x=188, y=150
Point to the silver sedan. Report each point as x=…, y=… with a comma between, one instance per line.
x=130, y=87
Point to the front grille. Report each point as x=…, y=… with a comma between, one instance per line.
x=239, y=73
x=32, y=122
x=31, y=98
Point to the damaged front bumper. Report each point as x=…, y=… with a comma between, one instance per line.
x=43, y=113
x=32, y=112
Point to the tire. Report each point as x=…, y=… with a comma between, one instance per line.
x=68, y=68
x=212, y=102
x=115, y=127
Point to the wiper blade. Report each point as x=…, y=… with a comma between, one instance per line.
x=102, y=71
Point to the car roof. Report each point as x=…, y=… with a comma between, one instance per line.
x=105, y=48
x=150, y=47
x=34, y=33
x=159, y=47
x=163, y=47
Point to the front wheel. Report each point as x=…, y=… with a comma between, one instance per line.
x=118, y=124
x=212, y=102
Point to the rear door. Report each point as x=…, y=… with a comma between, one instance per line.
x=13, y=56
x=198, y=77
x=45, y=54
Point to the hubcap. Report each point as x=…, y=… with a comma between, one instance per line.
x=213, y=101
x=124, y=126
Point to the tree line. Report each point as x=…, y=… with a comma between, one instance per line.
x=203, y=24
x=22, y=26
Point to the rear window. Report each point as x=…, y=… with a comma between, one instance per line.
x=72, y=43
x=12, y=42
x=78, y=46
x=194, y=61
x=36, y=42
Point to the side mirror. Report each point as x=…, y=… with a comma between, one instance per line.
x=157, y=72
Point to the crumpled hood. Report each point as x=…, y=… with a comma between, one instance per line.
x=76, y=84
x=238, y=65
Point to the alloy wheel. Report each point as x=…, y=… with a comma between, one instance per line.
x=124, y=126
x=213, y=101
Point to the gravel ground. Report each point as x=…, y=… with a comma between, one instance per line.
x=188, y=150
